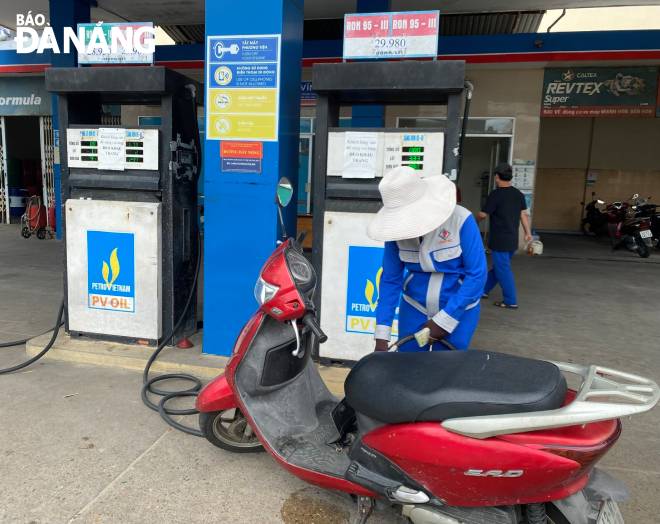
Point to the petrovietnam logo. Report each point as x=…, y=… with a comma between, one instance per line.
x=114, y=267
x=111, y=271
x=364, y=281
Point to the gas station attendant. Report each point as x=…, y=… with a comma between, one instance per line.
x=434, y=266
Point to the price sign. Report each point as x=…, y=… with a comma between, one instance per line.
x=411, y=34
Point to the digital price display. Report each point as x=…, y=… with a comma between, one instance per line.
x=413, y=156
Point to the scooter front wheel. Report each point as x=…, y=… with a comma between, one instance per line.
x=229, y=430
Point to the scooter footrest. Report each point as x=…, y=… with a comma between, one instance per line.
x=364, y=477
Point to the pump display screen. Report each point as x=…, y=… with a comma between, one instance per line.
x=418, y=149
x=139, y=150
x=413, y=156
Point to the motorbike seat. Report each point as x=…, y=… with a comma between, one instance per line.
x=436, y=386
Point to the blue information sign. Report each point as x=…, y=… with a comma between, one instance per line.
x=242, y=88
x=243, y=49
x=241, y=165
x=244, y=75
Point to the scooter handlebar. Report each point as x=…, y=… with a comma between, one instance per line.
x=310, y=321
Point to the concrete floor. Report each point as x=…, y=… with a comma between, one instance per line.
x=77, y=445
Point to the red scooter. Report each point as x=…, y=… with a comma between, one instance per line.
x=449, y=437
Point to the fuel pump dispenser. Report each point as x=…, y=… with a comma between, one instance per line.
x=348, y=165
x=129, y=197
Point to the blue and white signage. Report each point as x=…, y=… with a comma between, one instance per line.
x=248, y=49
x=363, y=289
x=244, y=75
x=111, y=271
x=242, y=87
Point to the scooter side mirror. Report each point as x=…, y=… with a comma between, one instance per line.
x=601, y=202
x=284, y=192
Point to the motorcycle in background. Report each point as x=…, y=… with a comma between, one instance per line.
x=595, y=220
x=629, y=230
x=646, y=209
x=472, y=437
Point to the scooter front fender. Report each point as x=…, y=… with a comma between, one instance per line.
x=216, y=396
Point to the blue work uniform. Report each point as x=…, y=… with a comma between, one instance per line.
x=440, y=276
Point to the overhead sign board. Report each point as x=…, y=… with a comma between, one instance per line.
x=24, y=96
x=242, y=87
x=600, y=91
x=125, y=49
x=412, y=34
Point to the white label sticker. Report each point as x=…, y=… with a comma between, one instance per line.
x=112, y=148
x=360, y=151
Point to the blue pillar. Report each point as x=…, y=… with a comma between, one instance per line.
x=371, y=115
x=240, y=215
x=63, y=13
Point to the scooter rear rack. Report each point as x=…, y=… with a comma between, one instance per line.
x=604, y=394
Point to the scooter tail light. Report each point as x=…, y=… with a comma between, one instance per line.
x=586, y=456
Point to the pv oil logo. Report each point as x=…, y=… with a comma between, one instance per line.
x=364, y=275
x=111, y=271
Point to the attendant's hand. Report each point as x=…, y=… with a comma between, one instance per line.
x=381, y=345
x=528, y=238
x=437, y=333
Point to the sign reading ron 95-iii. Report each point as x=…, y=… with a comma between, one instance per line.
x=600, y=92
x=412, y=34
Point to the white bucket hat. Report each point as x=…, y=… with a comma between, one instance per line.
x=412, y=205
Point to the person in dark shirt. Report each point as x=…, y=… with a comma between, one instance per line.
x=506, y=208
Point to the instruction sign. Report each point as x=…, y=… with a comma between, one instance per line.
x=412, y=34
x=112, y=148
x=600, y=92
x=242, y=87
x=363, y=289
x=241, y=157
x=360, y=155
x=111, y=271
x=524, y=173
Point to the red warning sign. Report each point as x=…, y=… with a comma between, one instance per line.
x=253, y=150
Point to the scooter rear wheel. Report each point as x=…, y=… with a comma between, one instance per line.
x=230, y=431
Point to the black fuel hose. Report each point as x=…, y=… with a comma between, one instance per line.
x=167, y=395
x=56, y=330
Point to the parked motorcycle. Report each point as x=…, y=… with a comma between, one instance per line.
x=646, y=209
x=629, y=230
x=595, y=219
x=448, y=437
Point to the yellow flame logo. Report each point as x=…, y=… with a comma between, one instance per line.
x=114, y=267
x=370, y=290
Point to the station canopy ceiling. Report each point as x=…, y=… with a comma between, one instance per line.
x=183, y=20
